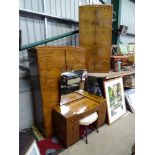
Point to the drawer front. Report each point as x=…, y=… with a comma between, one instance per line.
x=72, y=133
x=59, y=125
x=102, y=114
x=72, y=119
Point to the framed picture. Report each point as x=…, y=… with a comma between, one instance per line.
x=114, y=92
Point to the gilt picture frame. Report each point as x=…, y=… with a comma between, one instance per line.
x=114, y=93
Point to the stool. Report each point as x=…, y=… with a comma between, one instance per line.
x=87, y=121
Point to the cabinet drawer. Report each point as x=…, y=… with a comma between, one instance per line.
x=102, y=114
x=72, y=133
x=101, y=121
x=72, y=119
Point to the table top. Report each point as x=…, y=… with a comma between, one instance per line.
x=70, y=97
x=111, y=74
x=91, y=96
x=83, y=103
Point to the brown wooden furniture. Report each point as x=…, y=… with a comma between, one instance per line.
x=111, y=74
x=95, y=31
x=97, y=79
x=66, y=117
x=46, y=65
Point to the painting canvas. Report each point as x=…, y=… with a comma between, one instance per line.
x=115, y=99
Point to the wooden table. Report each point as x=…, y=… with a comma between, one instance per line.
x=97, y=79
x=111, y=74
x=76, y=106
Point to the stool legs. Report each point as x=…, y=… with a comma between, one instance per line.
x=86, y=131
x=97, y=126
x=86, y=134
x=97, y=129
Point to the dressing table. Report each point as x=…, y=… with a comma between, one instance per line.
x=74, y=107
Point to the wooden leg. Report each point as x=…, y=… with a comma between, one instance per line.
x=86, y=134
x=97, y=129
x=97, y=126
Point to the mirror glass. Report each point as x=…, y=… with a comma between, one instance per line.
x=70, y=82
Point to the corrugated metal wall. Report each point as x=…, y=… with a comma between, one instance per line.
x=60, y=8
x=127, y=18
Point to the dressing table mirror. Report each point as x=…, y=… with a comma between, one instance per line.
x=70, y=82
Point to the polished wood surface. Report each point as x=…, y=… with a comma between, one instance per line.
x=91, y=96
x=47, y=58
x=95, y=31
x=77, y=107
x=111, y=74
x=66, y=117
x=69, y=98
x=46, y=65
x=75, y=59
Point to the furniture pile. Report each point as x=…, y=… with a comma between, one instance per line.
x=62, y=115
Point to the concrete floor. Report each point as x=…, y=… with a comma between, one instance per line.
x=114, y=139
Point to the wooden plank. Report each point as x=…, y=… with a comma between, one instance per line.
x=77, y=107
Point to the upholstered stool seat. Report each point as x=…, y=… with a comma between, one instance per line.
x=89, y=120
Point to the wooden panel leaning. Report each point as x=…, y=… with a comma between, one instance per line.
x=95, y=31
x=46, y=65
